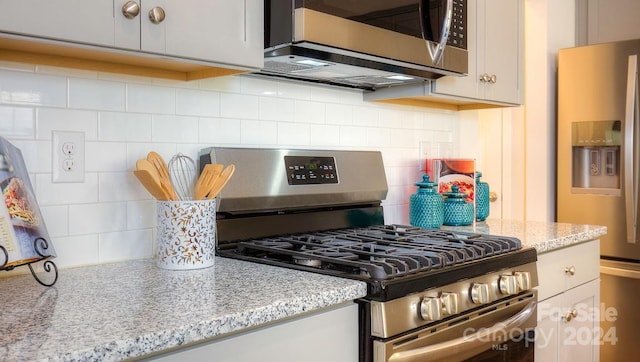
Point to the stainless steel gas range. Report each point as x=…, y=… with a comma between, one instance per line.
x=432, y=294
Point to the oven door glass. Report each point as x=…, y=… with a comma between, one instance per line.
x=411, y=17
x=502, y=331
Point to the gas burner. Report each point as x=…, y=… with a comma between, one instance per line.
x=300, y=260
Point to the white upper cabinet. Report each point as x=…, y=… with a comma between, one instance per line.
x=90, y=22
x=495, y=43
x=496, y=55
x=221, y=33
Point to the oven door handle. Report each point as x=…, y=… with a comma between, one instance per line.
x=479, y=341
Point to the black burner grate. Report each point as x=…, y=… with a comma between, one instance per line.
x=379, y=252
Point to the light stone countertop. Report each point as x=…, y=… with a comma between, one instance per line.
x=543, y=236
x=122, y=310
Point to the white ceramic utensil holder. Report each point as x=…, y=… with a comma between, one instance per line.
x=186, y=234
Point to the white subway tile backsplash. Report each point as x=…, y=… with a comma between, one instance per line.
x=97, y=218
x=54, y=119
x=77, y=250
x=294, y=134
x=49, y=193
x=105, y=156
x=325, y=136
x=276, y=109
x=56, y=220
x=116, y=186
x=96, y=95
x=310, y=112
x=192, y=102
x=17, y=122
x=339, y=114
x=143, y=98
x=239, y=106
x=253, y=133
x=117, y=246
x=110, y=216
x=177, y=129
x=127, y=127
x=219, y=130
x=36, y=155
x=353, y=137
x=32, y=89
x=141, y=214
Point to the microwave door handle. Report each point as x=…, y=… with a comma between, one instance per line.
x=436, y=50
x=630, y=170
x=479, y=341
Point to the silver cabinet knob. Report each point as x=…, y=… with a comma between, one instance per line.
x=493, y=79
x=523, y=279
x=430, y=309
x=156, y=15
x=130, y=9
x=508, y=284
x=480, y=293
x=484, y=78
x=570, y=270
x=449, y=303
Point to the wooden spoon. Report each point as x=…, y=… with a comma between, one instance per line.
x=221, y=181
x=165, y=180
x=151, y=184
x=206, y=181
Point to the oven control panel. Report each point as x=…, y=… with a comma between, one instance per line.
x=304, y=170
x=450, y=300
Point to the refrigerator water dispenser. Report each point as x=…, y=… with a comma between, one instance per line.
x=596, y=156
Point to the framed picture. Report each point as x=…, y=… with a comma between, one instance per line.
x=447, y=172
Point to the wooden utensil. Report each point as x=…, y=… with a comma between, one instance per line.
x=221, y=181
x=206, y=181
x=151, y=184
x=150, y=179
x=165, y=180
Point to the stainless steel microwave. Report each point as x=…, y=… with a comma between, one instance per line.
x=365, y=43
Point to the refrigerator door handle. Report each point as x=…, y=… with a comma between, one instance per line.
x=631, y=188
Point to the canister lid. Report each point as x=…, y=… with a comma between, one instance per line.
x=455, y=195
x=426, y=182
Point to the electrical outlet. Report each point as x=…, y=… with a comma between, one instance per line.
x=67, y=161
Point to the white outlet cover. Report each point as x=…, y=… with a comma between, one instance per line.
x=61, y=159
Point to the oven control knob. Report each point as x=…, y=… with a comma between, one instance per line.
x=430, y=309
x=523, y=279
x=480, y=293
x=508, y=284
x=449, y=303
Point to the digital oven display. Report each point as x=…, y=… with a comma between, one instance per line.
x=304, y=170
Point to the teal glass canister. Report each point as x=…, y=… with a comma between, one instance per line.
x=457, y=210
x=426, y=206
x=482, y=198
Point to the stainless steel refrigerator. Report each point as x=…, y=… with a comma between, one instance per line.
x=597, y=176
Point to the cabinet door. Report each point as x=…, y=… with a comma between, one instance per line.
x=224, y=31
x=495, y=46
x=501, y=56
x=467, y=86
x=81, y=21
x=568, y=325
x=579, y=326
x=547, y=341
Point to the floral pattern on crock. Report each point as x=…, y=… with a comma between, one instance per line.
x=186, y=234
